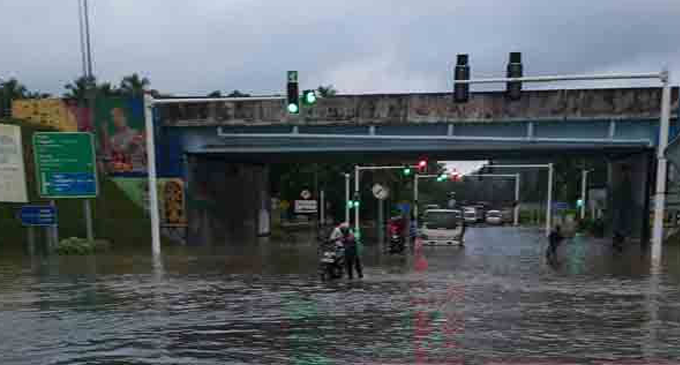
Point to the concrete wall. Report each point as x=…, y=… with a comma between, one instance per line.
x=553, y=105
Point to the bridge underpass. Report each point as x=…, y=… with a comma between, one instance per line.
x=231, y=143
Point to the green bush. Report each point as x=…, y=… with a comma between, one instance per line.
x=81, y=246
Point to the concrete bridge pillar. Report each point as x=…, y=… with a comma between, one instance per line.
x=628, y=191
x=228, y=203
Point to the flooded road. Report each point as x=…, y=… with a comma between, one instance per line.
x=494, y=301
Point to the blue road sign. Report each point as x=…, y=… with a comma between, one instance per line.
x=560, y=206
x=38, y=215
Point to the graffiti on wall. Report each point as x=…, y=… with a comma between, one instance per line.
x=171, y=198
x=58, y=114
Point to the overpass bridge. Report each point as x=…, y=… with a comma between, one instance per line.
x=223, y=147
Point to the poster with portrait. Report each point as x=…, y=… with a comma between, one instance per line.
x=121, y=135
x=171, y=198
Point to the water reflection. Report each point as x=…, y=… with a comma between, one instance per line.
x=497, y=299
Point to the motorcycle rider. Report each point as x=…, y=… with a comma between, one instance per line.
x=352, y=258
x=336, y=234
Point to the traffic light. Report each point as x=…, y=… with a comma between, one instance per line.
x=293, y=96
x=461, y=92
x=422, y=166
x=514, y=88
x=309, y=97
x=579, y=203
x=406, y=171
x=441, y=177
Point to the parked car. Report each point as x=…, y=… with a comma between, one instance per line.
x=471, y=215
x=494, y=217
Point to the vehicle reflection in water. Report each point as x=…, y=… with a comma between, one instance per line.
x=496, y=299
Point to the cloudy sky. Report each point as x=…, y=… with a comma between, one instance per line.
x=193, y=47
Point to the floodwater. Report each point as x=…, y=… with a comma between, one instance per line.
x=496, y=300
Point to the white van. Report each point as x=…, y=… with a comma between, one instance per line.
x=442, y=227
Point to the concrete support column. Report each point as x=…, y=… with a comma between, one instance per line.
x=628, y=195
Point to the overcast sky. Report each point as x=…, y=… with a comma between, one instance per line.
x=193, y=47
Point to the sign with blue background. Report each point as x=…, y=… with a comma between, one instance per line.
x=38, y=215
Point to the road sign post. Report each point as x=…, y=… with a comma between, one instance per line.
x=66, y=168
x=65, y=165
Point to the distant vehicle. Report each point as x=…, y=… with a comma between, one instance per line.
x=494, y=217
x=471, y=215
x=442, y=227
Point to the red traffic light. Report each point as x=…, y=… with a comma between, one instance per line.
x=422, y=164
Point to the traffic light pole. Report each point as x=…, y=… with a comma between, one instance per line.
x=550, y=167
x=514, y=176
x=357, y=173
x=584, y=184
x=347, y=198
x=661, y=166
x=415, y=192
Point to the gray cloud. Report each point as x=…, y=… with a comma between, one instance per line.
x=359, y=46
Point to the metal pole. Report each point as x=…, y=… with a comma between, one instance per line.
x=415, y=199
x=88, y=220
x=517, y=199
x=87, y=39
x=31, y=240
x=322, y=219
x=584, y=181
x=548, y=213
x=347, y=198
x=661, y=169
x=381, y=218
x=54, y=231
x=356, y=194
x=151, y=162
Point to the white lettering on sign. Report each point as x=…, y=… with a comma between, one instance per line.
x=305, y=206
x=12, y=170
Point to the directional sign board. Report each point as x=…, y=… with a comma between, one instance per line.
x=65, y=165
x=38, y=215
x=12, y=172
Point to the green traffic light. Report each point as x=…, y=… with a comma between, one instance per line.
x=407, y=171
x=293, y=108
x=310, y=97
x=356, y=204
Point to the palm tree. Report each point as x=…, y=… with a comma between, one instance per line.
x=13, y=89
x=326, y=91
x=133, y=85
x=78, y=88
x=106, y=89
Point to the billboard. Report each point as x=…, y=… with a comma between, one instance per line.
x=119, y=124
x=12, y=169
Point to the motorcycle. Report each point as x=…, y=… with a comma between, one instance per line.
x=332, y=261
x=397, y=242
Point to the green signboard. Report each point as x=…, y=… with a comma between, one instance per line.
x=65, y=165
